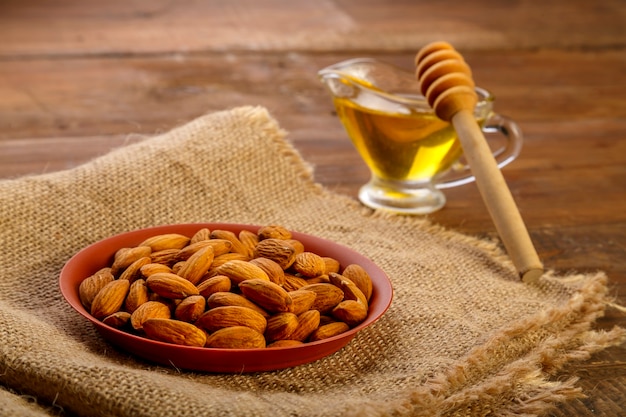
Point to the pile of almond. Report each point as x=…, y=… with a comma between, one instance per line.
x=219, y=289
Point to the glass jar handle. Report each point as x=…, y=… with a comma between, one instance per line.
x=504, y=155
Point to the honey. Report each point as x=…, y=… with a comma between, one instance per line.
x=404, y=145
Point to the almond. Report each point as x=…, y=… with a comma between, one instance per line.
x=273, y=232
x=110, y=298
x=197, y=265
x=171, y=303
x=137, y=295
x=202, y=234
x=166, y=256
x=328, y=330
x=175, y=332
x=309, y=264
x=176, y=267
x=153, y=268
x=293, y=282
x=277, y=250
x=229, y=316
x=327, y=296
x=117, y=320
x=249, y=240
x=326, y=319
x=237, y=246
x=280, y=326
x=220, y=247
x=125, y=256
x=133, y=271
x=218, y=283
x=239, y=271
x=190, y=249
x=90, y=286
x=236, y=337
x=171, y=285
x=332, y=265
x=166, y=241
x=149, y=310
x=223, y=299
x=285, y=343
x=350, y=312
x=297, y=246
x=357, y=274
x=190, y=309
x=271, y=268
x=227, y=257
x=272, y=297
x=307, y=323
x=349, y=288
x=301, y=301
x=318, y=279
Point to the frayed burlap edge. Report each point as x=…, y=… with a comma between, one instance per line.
x=484, y=382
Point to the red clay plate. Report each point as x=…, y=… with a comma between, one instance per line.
x=100, y=254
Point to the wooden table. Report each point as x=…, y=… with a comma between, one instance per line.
x=78, y=78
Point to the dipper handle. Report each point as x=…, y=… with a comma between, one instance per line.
x=446, y=82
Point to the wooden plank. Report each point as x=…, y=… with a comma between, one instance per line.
x=78, y=78
x=605, y=391
x=53, y=28
x=119, y=95
x=19, y=157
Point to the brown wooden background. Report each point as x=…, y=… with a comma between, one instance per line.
x=78, y=78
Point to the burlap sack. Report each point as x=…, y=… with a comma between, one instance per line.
x=463, y=335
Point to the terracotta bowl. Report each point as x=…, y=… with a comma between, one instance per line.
x=100, y=254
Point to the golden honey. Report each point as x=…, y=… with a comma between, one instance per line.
x=400, y=146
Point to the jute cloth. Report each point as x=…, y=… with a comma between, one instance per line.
x=463, y=336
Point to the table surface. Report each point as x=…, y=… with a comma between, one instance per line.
x=79, y=78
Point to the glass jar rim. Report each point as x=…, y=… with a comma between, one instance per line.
x=414, y=100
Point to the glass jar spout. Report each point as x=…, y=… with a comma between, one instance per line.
x=351, y=78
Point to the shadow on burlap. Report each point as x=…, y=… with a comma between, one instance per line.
x=463, y=336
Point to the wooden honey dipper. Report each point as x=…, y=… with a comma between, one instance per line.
x=446, y=82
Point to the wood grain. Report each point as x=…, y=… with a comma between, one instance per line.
x=79, y=78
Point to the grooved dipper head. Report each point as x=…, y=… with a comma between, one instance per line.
x=445, y=80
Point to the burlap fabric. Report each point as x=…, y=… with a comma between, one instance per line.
x=463, y=335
